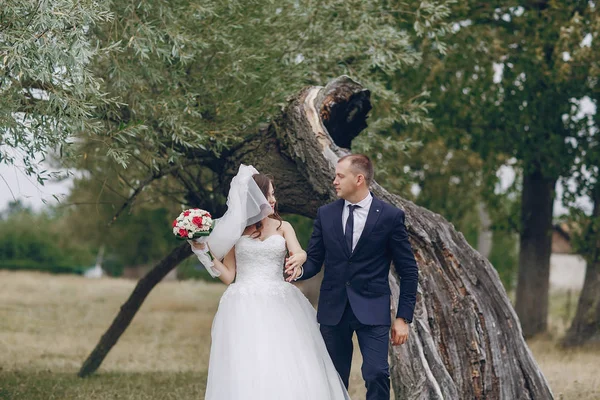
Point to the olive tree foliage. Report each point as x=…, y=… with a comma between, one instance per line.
x=195, y=77
x=48, y=92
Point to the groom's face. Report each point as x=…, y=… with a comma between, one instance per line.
x=346, y=181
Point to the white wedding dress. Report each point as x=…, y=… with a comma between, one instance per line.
x=266, y=343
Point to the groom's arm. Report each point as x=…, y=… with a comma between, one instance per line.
x=406, y=267
x=316, y=251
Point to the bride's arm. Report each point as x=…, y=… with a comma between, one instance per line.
x=225, y=267
x=297, y=256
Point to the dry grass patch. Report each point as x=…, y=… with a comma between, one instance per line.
x=53, y=322
x=50, y=323
x=571, y=373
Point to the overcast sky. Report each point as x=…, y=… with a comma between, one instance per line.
x=14, y=184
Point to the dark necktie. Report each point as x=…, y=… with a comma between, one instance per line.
x=350, y=227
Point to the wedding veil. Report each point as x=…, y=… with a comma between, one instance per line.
x=246, y=205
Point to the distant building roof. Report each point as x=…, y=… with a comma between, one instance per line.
x=561, y=239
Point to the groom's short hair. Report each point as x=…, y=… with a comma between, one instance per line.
x=361, y=164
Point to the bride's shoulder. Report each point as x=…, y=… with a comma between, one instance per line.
x=286, y=225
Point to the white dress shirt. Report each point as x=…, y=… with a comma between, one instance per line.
x=360, y=217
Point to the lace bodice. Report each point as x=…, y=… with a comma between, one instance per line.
x=260, y=260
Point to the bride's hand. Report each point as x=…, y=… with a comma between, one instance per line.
x=199, y=246
x=295, y=261
x=203, y=246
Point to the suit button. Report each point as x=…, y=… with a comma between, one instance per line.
x=349, y=262
x=347, y=283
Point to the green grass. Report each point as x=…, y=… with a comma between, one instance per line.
x=45, y=385
x=30, y=265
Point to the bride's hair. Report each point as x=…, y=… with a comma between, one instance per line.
x=263, y=181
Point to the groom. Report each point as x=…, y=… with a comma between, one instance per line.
x=356, y=238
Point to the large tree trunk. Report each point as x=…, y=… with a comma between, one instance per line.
x=466, y=341
x=586, y=324
x=534, y=252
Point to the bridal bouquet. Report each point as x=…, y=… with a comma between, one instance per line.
x=196, y=224
x=193, y=223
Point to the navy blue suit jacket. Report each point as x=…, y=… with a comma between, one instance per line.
x=362, y=277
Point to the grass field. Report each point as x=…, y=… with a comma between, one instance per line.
x=49, y=324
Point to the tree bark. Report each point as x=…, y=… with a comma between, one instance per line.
x=586, y=324
x=131, y=307
x=466, y=341
x=534, y=252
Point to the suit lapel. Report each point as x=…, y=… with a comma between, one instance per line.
x=338, y=225
x=372, y=218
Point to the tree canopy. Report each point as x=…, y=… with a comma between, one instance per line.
x=48, y=92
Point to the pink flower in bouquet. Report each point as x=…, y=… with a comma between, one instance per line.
x=197, y=221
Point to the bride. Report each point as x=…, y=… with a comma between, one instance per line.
x=266, y=342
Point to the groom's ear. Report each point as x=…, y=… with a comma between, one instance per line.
x=360, y=179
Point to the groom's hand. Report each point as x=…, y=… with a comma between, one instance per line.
x=399, y=332
x=294, y=274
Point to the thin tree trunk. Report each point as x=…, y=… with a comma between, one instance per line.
x=131, y=307
x=586, y=324
x=466, y=341
x=534, y=252
x=485, y=234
